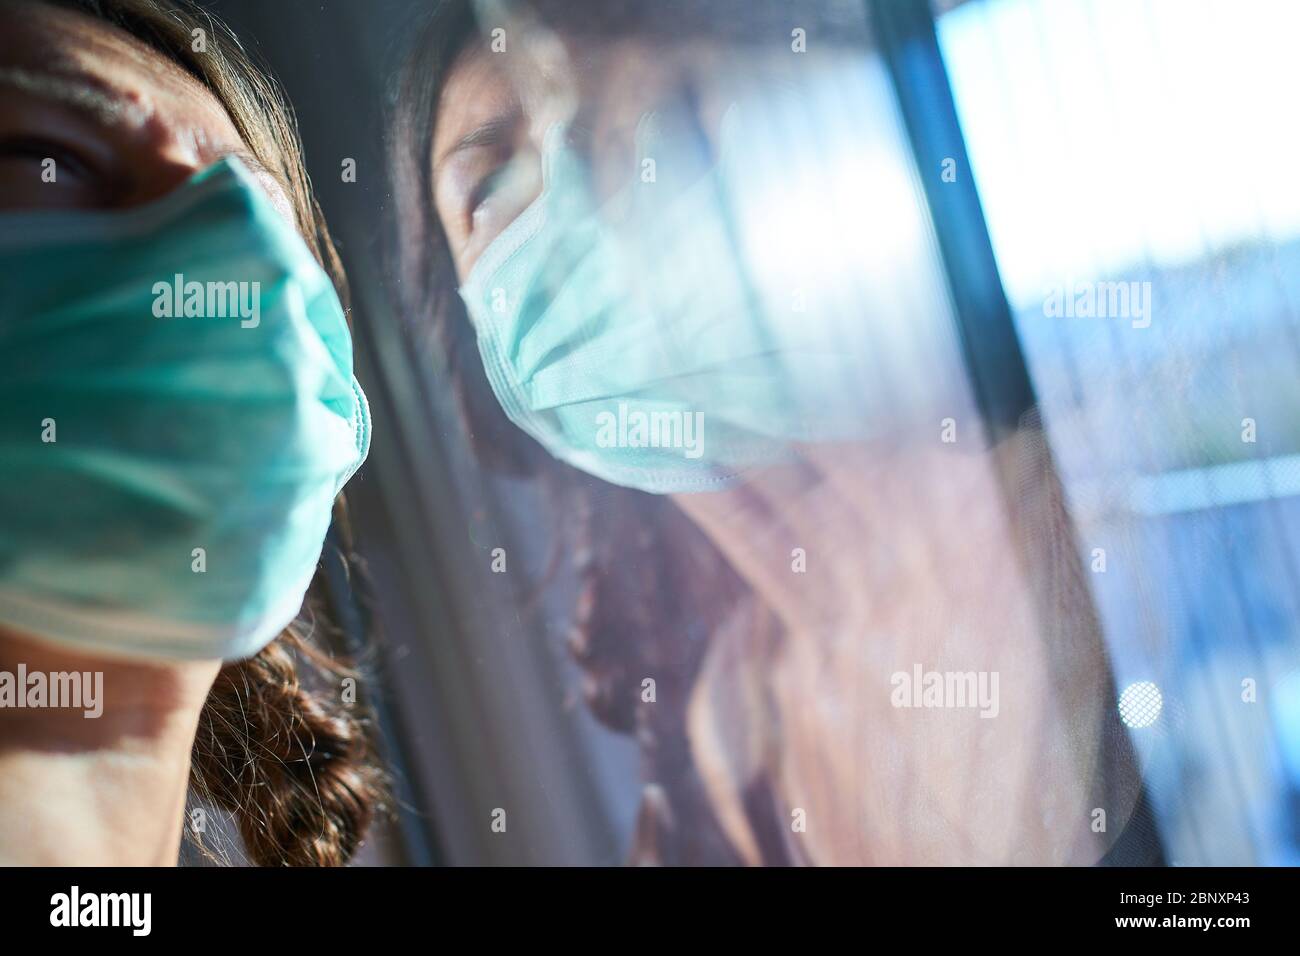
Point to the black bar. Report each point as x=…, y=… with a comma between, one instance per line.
x=916, y=907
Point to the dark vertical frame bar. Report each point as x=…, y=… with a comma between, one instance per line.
x=418, y=842
x=904, y=31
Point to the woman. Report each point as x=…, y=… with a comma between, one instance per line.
x=802, y=585
x=170, y=315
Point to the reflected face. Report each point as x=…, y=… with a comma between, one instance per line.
x=487, y=145
x=122, y=124
x=486, y=168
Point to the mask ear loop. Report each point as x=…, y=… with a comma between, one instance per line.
x=727, y=155
x=756, y=307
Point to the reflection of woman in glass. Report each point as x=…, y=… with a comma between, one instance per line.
x=783, y=605
x=170, y=467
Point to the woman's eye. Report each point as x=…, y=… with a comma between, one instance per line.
x=485, y=189
x=64, y=160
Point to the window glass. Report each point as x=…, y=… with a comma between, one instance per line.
x=816, y=622
x=687, y=537
x=1131, y=159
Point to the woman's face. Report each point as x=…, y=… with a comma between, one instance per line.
x=487, y=144
x=122, y=124
x=486, y=167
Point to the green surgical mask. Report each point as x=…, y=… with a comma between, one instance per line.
x=177, y=414
x=626, y=338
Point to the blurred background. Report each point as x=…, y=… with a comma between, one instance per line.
x=961, y=171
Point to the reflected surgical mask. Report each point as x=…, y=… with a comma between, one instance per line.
x=626, y=337
x=177, y=414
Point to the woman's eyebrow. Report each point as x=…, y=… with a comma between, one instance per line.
x=76, y=91
x=494, y=132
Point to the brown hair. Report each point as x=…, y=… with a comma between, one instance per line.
x=623, y=630
x=290, y=762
